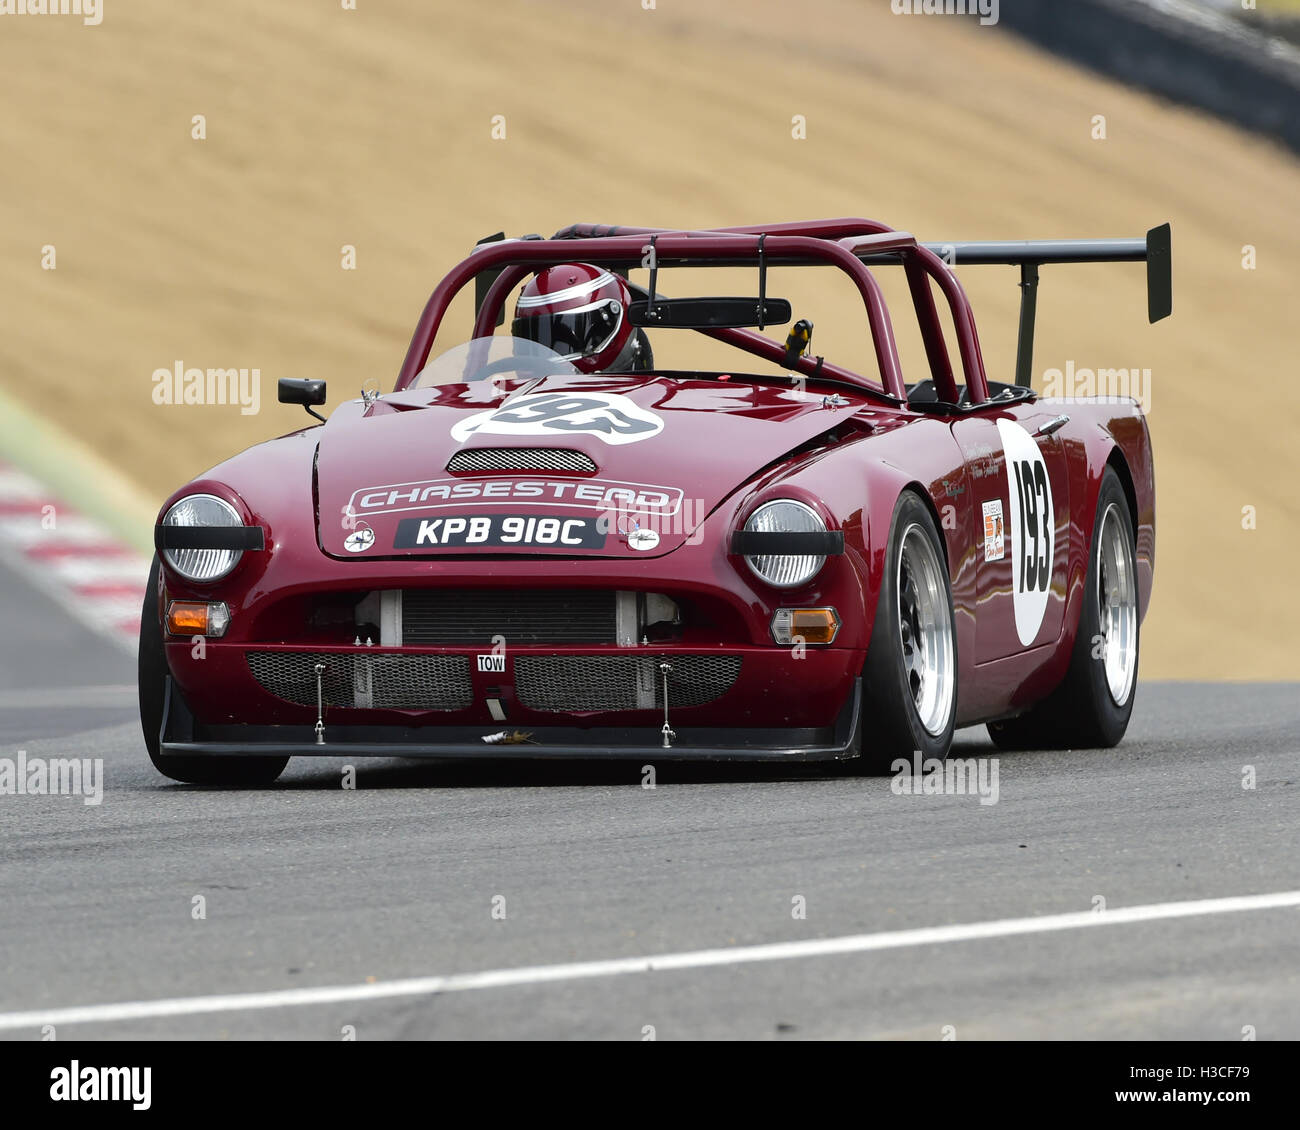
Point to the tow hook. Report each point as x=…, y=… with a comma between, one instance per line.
x=666, y=669
x=320, y=706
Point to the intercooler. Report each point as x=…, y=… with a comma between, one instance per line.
x=516, y=622
x=464, y=617
x=476, y=616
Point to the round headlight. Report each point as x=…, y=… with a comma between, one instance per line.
x=202, y=564
x=785, y=570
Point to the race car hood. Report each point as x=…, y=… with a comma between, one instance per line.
x=570, y=465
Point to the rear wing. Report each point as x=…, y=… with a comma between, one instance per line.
x=1029, y=255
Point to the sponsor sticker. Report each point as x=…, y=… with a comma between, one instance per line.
x=609, y=416
x=994, y=533
x=570, y=494
x=500, y=530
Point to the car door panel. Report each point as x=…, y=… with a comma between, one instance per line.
x=1020, y=502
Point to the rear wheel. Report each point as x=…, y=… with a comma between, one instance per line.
x=910, y=677
x=1092, y=706
x=153, y=675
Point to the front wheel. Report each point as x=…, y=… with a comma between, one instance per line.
x=153, y=675
x=910, y=679
x=1092, y=706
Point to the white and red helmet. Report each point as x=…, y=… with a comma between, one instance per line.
x=580, y=311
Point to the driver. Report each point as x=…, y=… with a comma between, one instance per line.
x=580, y=311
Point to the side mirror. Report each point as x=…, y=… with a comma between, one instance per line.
x=304, y=392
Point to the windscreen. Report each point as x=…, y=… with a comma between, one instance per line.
x=493, y=358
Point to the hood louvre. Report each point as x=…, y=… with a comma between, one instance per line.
x=521, y=459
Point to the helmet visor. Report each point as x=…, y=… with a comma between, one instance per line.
x=573, y=333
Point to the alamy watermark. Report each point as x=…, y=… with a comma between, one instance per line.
x=76, y=1083
x=59, y=776
x=987, y=10
x=179, y=385
x=1104, y=386
x=958, y=776
x=90, y=11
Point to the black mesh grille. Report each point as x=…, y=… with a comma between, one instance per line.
x=379, y=681
x=521, y=459
x=562, y=683
x=474, y=616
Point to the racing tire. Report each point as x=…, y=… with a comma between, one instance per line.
x=909, y=681
x=153, y=675
x=1092, y=706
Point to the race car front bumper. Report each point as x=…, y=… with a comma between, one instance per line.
x=183, y=735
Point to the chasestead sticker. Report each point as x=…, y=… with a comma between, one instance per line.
x=581, y=494
x=609, y=416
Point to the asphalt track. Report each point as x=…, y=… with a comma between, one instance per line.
x=323, y=897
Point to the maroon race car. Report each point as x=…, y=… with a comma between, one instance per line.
x=540, y=544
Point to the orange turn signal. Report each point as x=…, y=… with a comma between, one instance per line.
x=195, y=618
x=811, y=625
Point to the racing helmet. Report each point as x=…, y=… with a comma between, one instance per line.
x=580, y=311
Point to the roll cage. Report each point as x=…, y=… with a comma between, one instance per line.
x=499, y=265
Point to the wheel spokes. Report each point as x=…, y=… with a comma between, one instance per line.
x=925, y=630
x=1116, y=605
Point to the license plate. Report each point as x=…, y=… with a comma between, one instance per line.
x=501, y=530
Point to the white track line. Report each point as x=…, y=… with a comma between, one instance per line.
x=698, y=959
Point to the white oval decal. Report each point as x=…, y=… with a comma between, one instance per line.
x=1032, y=526
x=609, y=416
x=359, y=540
x=643, y=539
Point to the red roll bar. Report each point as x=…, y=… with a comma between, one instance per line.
x=840, y=242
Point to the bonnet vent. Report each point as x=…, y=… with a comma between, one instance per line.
x=521, y=459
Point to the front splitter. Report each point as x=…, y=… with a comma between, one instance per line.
x=182, y=736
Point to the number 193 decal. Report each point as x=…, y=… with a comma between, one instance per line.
x=609, y=416
x=1032, y=526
